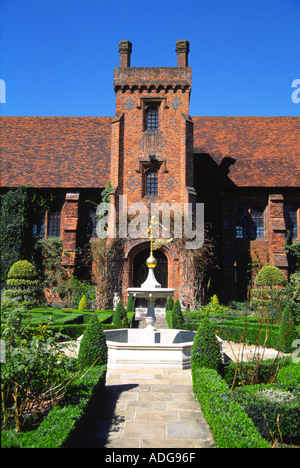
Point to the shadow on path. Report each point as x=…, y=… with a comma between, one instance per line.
x=101, y=420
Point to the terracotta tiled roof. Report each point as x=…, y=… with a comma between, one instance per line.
x=55, y=151
x=75, y=151
x=266, y=150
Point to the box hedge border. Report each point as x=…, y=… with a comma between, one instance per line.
x=231, y=426
x=60, y=424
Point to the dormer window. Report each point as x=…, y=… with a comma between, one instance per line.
x=152, y=116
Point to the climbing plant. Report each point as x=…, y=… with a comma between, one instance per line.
x=19, y=208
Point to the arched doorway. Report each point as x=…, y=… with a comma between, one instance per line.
x=140, y=269
x=140, y=272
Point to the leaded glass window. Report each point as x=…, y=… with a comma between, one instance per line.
x=54, y=224
x=257, y=224
x=152, y=118
x=38, y=227
x=151, y=183
x=249, y=222
x=290, y=216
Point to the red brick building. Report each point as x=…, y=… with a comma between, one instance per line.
x=246, y=171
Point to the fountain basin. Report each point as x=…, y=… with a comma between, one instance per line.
x=148, y=348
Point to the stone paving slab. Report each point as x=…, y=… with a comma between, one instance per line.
x=147, y=409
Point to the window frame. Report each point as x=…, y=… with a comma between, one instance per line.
x=291, y=218
x=251, y=223
x=149, y=184
x=148, y=105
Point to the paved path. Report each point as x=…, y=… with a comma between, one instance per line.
x=147, y=409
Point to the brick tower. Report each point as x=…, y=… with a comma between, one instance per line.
x=152, y=150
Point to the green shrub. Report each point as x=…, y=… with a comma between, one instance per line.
x=93, y=348
x=253, y=371
x=231, y=426
x=274, y=411
x=119, y=315
x=294, y=286
x=287, y=331
x=83, y=305
x=206, y=349
x=23, y=284
x=175, y=317
x=288, y=377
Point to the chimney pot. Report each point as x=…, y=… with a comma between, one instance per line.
x=125, y=49
x=182, y=51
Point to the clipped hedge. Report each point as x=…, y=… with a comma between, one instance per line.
x=234, y=330
x=62, y=422
x=289, y=377
x=231, y=426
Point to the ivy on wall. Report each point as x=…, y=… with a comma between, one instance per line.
x=19, y=208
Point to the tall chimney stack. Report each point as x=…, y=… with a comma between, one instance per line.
x=125, y=48
x=182, y=51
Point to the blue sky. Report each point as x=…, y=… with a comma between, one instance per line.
x=57, y=56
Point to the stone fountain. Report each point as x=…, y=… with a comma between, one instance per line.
x=149, y=347
x=151, y=289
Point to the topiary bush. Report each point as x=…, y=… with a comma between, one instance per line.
x=83, y=305
x=93, y=347
x=177, y=319
x=23, y=285
x=270, y=276
x=168, y=309
x=215, y=300
x=119, y=315
x=130, y=304
x=206, y=350
x=268, y=298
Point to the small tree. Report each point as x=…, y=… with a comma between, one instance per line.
x=267, y=299
x=206, y=349
x=119, y=315
x=270, y=276
x=93, y=347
